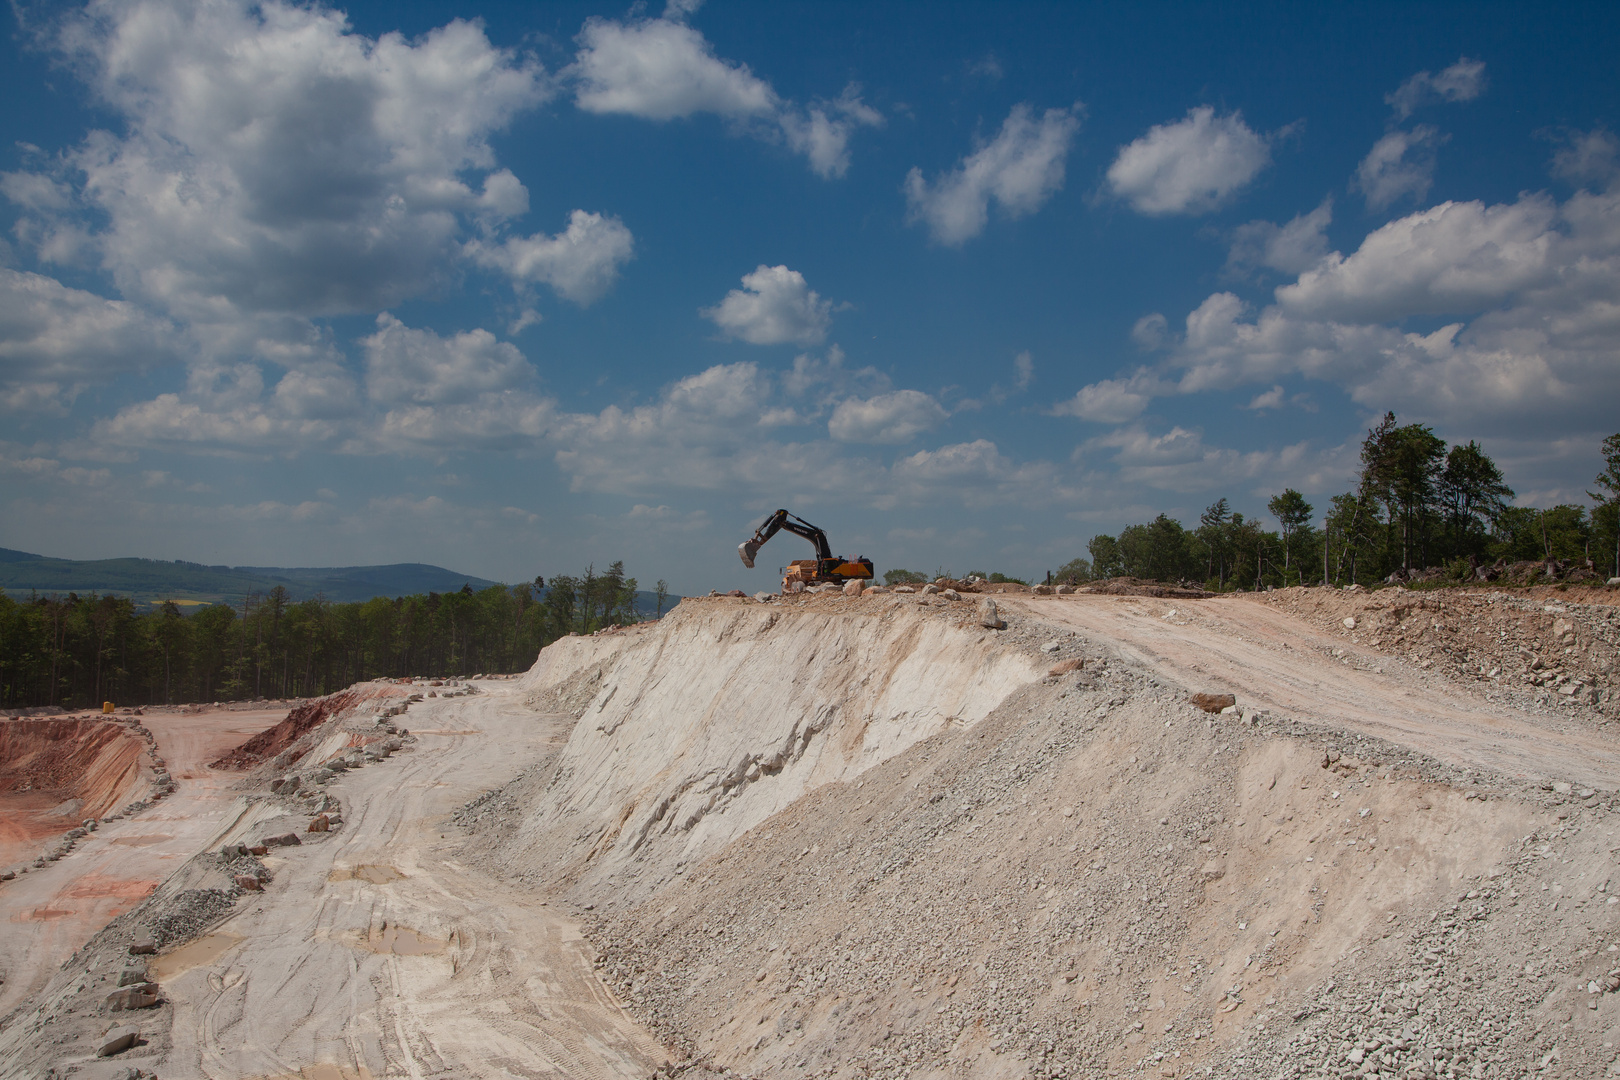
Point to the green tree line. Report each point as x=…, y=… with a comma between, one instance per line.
x=78, y=651
x=1417, y=503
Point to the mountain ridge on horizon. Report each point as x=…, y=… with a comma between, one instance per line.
x=149, y=581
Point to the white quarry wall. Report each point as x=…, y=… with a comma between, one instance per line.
x=726, y=712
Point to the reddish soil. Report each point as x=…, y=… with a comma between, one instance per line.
x=52, y=911
x=267, y=744
x=56, y=772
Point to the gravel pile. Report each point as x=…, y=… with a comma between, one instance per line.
x=1534, y=649
x=189, y=914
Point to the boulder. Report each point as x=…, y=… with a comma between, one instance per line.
x=142, y=996
x=117, y=1041
x=1214, y=703
x=989, y=617
x=143, y=944
x=258, y=849
x=1063, y=667
x=1043, y=590
x=248, y=882
x=132, y=976
x=951, y=594
x=320, y=823
x=284, y=840
x=853, y=587
x=930, y=589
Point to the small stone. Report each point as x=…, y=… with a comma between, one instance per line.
x=1350, y=624
x=904, y=589
x=143, y=996
x=117, y=1041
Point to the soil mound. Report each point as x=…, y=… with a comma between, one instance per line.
x=1129, y=586
x=272, y=741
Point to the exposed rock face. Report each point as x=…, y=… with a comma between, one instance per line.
x=673, y=758
x=57, y=772
x=267, y=744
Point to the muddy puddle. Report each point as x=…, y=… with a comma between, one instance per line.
x=401, y=941
x=205, y=950
x=374, y=874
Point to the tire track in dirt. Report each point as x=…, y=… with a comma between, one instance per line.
x=375, y=950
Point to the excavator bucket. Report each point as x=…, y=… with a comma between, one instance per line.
x=747, y=551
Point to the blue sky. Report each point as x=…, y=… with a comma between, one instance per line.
x=511, y=288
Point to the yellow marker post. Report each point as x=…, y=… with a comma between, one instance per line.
x=106, y=706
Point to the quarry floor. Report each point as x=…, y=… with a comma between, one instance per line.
x=423, y=939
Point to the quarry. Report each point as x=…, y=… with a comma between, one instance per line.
x=850, y=832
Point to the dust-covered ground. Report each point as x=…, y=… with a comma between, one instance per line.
x=849, y=836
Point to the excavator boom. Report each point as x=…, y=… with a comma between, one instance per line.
x=825, y=567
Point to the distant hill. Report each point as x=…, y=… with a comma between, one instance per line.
x=149, y=580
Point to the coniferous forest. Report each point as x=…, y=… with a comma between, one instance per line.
x=78, y=651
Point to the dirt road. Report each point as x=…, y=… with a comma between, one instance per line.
x=1273, y=661
x=375, y=953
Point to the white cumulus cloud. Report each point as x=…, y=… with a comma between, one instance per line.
x=419, y=366
x=896, y=417
x=56, y=340
x=775, y=306
x=1400, y=165
x=271, y=160
x=1189, y=166
x=1589, y=157
x=1462, y=81
x=581, y=263
x=1291, y=248
x=663, y=69
x=1112, y=401
x=1455, y=258
x=1020, y=169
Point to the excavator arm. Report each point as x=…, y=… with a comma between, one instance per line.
x=824, y=567
x=774, y=524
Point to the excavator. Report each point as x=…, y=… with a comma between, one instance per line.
x=825, y=567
